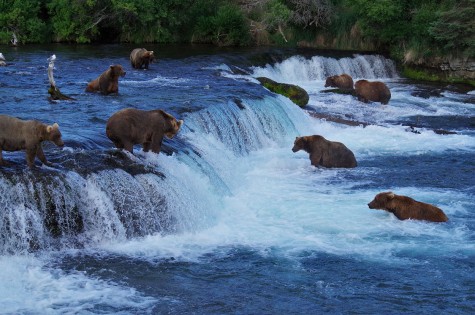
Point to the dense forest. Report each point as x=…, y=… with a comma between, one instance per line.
x=406, y=29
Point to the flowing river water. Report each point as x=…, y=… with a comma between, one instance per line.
x=227, y=219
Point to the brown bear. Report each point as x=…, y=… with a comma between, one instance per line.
x=342, y=81
x=324, y=152
x=372, y=91
x=17, y=134
x=131, y=126
x=407, y=208
x=141, y=57
x=108, y=81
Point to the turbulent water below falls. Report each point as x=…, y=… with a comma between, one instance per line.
x=227, y=219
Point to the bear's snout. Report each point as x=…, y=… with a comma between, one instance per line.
x=59, y=143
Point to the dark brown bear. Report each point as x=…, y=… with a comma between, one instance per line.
x=407, y=208
x=108, y=81
x=342, y=81
x=324, y=152
x=372, y=91
x=131, y=126
x=17, y=134
x=141, y=58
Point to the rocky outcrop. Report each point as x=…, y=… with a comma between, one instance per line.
x=295, y=93
x=448, y=68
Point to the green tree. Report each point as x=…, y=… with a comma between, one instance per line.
x=226, y=27
x=22, y=17
x=277, y=17
x=454, y=28
x=77, y=20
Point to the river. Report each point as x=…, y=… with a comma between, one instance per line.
x=227, y=219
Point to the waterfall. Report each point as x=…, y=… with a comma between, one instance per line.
x=112, y=197
x=298, y=68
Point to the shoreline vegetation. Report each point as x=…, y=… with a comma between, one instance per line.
x=430, y=40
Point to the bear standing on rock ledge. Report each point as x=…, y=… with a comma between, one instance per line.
x=407, y=208
x=108, y=81
x=17, y=134
x=324, y=152
x=131, y=126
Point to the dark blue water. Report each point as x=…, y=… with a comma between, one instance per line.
x=227, y=219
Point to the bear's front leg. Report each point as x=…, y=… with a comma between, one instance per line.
x=316, y=159
x=156, y=143
x=41, y=156
x=146, y=146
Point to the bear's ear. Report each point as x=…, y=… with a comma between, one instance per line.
x=179, y=123
x=390, y=195
x=55, y=126
x=49, y=128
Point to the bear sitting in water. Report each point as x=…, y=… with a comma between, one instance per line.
x=407, y=208
x=342, y=81
x=17, y=134
x=131, y=126
x=141, y=58
x=324, y=152
x=108, y=81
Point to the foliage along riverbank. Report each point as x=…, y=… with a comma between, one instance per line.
x=422, y=34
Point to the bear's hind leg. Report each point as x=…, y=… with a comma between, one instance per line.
x=2, y=161
x=30, y=157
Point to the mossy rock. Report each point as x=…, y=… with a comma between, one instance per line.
x=295, y=93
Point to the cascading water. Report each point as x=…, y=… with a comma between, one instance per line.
x=227, y=212
x=300, y=69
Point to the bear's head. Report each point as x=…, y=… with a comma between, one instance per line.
x=172, y=125
x=330, y=81
x=149, y=55
x=381, y=200
x=54, y=135
x=116, y=71
x=299, y=144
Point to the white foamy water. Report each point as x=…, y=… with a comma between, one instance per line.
x=277, y=199
x=29, y=286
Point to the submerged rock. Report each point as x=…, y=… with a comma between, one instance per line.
x=295, y=93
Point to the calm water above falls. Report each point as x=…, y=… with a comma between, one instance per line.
x=227, y=219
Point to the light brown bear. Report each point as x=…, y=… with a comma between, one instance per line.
x=324, y=152
x=141, y=58
x=131, y=126
x=407, y=208
x=17, y=134
x=108, y=81
x=372, y=91
x=343, y=82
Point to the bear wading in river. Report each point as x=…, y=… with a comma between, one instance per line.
x=372, y=91
x=407, y=208
x=343, y=82
x=28, y=135
x=108, y=81
x=131, y=126
x=324, y=152
x=141, y=58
